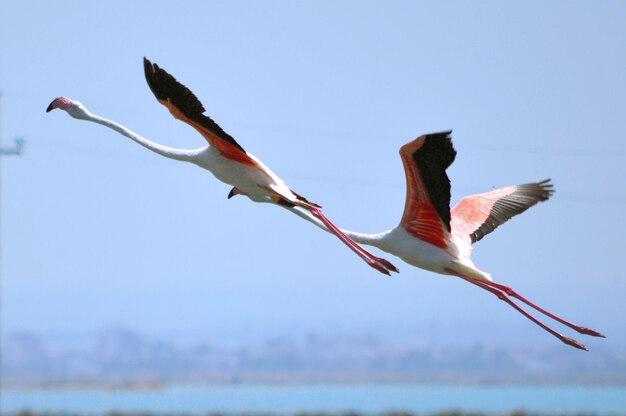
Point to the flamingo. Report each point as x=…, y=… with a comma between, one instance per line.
x=434, y=237
x=223, y=156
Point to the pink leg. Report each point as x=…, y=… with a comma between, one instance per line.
x=503, y=296
x=378, y=263
x=509, y=291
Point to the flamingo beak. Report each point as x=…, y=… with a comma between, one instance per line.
x=235, y=191
x=62, y=103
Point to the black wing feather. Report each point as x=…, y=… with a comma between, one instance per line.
x=524, y=197
x=165, y=87
x=432, y=159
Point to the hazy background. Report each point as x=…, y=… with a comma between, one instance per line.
x=98, y=232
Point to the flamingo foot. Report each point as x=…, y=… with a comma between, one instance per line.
x=573, y=343
x=377, y=263
x=387, y=265
x=589, y=331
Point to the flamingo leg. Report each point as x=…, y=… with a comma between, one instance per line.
x=377, y=263
x=510, y=292
x=504, y=297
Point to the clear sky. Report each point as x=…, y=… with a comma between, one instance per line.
x=97, y=230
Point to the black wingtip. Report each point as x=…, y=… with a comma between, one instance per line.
x=149, y=70
x=165, y=87
x=147, y=66
x=446, y=134
x=548, y=187
x=542, y=190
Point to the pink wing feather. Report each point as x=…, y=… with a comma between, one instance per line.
x=476, y=216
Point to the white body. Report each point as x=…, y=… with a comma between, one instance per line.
x=248, y=179
x=413, y=251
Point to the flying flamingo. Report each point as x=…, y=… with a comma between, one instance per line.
x=435, y=238
x=223, y=157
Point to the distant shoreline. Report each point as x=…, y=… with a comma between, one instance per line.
x=322, y=399
x=154, y=384
x=389, y=413
x=347, y=413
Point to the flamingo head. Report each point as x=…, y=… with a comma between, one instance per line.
x=73, y=108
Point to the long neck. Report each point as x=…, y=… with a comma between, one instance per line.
x=169, y=152
x=376, y=240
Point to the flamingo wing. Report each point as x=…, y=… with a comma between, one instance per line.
x=427, y=205
x=186, y=107
x=476, y=216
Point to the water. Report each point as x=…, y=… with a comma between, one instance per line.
x=330, y=398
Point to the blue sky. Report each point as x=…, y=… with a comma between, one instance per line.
x=96, y=230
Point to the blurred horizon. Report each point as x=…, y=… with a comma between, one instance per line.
x=118, y=357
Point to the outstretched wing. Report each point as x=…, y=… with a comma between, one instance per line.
x=427, y=206
x=476, y=216
x=186, y=107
